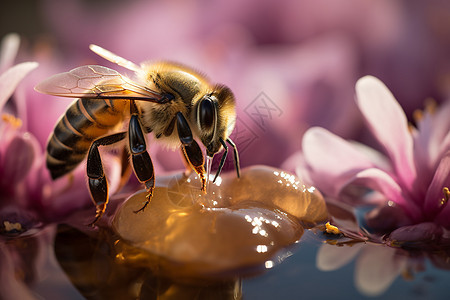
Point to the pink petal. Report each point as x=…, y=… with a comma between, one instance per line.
x=444, y=145
x=431, y=142
x=332, y=159
x=330, y=258
x=8, y=50
x=439, y=132
x=388, y=123
x=382, y=182
x=418, y=235
x=376, y=268
x=19, y=158
x=424, y=166
x=440, y=180
x=386, y=218
x=377, y=158
x=11, y=78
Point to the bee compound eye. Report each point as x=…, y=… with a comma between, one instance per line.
x=207, y=114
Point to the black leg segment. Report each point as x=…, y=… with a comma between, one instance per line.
x=184, y=131
x=98, y=185
x=142, y=163
x=191, y=150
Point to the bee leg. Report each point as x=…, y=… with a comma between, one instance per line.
x=191, y=150
x=98, y=185
x=194, y=156
x=142, y=163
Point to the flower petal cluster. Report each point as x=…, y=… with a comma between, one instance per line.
x=28, y=196
x=410, y=172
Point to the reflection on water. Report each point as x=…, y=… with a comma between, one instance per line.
x=299, y=276
x=81, y=266
x=93, y=269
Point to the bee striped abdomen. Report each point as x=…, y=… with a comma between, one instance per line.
x=84, y=121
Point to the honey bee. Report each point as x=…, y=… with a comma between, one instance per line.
x=174, y=102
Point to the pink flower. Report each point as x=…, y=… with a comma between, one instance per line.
x=28, y=196
x=410, y=176
x=17, y=149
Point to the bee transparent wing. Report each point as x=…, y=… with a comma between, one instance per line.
x=96, y=82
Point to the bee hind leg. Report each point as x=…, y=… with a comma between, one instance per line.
x=143, y=169
x=98, y=185
x=142, y=163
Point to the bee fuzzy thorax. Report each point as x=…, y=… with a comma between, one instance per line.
x=174, y=78
x=164, y=131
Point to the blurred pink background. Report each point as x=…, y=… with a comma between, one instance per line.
x=291, y=64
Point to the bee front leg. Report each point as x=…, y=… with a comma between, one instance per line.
x=191, y=150
x=194, y=156
x=98, y=185
x=142, y=163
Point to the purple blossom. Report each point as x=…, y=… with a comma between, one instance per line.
x=28, y=196
x=410, y=177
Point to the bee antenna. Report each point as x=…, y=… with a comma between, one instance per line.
x=224, y=156
x=106, y=54
x=237, y=165
x=222, y=160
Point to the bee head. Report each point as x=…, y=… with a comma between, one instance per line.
x=215, y=118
